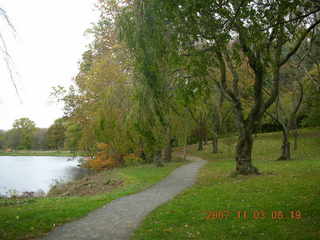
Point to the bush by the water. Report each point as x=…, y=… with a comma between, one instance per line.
x=107, y=159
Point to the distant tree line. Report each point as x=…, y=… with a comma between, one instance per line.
x=24, y=135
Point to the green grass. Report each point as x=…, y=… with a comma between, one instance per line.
x=283, y=186
x=38, y=153
x=25, y=219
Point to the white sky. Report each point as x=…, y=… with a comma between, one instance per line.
x=46, y=51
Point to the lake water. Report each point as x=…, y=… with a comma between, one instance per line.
x=31, y=174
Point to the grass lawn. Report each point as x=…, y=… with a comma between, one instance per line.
x=282, y=203
x=29, y=218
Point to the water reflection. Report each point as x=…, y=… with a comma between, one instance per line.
x=31, y=174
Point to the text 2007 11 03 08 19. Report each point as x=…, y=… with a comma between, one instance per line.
x=259, y=214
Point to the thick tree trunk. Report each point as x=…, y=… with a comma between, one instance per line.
x=285, y=148
x=243, y=155
x=215, y=143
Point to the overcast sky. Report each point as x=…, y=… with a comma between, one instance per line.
x=46, y=51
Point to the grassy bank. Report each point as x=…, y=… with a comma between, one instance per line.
x=29, y=218
x=39, y=153
x=282, y=203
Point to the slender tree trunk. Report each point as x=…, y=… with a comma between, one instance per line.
x=200, y=144
x=206, y=140
x=285, y=148
x=167, y=151
x=293, y=117
x=217, y=122
x=215, y=143
x=185, y=148
x=215, y=136
x=295, y=137
x=243, y=154
x=295, y=133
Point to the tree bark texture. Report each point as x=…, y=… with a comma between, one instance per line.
x=243, y=155
x=285, y=148
x=215, y=148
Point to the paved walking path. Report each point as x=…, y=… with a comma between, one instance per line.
x=118, y=219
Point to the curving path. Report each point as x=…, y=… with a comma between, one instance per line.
x=118, y=219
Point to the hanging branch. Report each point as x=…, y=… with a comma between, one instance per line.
x=4, y=49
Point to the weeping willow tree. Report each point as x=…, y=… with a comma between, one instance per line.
x=143, y=31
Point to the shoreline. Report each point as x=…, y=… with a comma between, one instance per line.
x=41, y=153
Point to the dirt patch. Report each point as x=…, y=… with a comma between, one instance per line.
x=93, y=184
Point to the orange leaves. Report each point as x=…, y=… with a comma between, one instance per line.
x=104, y=159
x=100, y=163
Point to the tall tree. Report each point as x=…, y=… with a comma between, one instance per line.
x=25, y=128
x=56, y=134
x=285, y=114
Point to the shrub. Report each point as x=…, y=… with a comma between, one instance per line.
x=132, y=160
x=104, y=159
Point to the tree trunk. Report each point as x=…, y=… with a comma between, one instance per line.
x=200, y=144
x=215, y=143
x=185, y=148
x=216, y=120
x=295, y=133
x=295, y=137
x=157, y=159
x=142, y=155
x=285, y=148
x=167, y=151
x=243, y=155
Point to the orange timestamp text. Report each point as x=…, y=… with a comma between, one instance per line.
x=256, y=215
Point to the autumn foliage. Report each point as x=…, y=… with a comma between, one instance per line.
x=106, y=158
